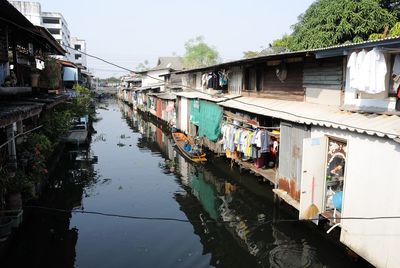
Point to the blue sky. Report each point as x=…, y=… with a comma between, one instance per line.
x=128, y=32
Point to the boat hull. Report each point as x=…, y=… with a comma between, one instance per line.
x=180, y=139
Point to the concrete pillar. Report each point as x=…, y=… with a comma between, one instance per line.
x=20, y=127
x=12, y=152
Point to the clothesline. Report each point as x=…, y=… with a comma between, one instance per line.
x=250, y=129
x=248, y=123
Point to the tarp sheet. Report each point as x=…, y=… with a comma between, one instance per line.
x=207, y=116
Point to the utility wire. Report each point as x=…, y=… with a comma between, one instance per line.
x=194, y=89
x=239, y=101
x=199, y=221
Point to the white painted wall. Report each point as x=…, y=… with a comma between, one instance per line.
x=31, y=10
x=372, y=188
x=184, y=115
x=82, y=59
x=64, y=37
x=155, y=78
x=323, y=96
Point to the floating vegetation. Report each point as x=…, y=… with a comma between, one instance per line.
x=100, y=137
x=120, y=144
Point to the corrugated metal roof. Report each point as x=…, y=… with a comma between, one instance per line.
x=320, y=115
x=163, y=95
x=364, y=44
x=205, y=96
x=148, y=87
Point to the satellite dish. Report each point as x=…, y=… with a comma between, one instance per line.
x=281, y=72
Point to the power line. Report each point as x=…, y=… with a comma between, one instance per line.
x=134, y=217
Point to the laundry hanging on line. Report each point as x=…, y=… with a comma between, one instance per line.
x=367, y=71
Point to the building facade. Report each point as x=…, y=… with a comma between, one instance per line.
x=79, y=46
x=54, y=22
x=31, y=10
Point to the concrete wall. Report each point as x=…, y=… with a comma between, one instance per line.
x=155, y=78
x=371, y=189
x=31, y=10
x=83, y=59
x=323, y=96
x=64, y=37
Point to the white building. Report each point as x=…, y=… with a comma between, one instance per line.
x=31, y=10
x=56, y=24
x=76, y=56
x=154, y=76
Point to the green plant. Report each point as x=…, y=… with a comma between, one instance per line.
x=51, y=74
x=81, y=104
x=14, y=182
x=199, y=54
x=56, y=123
x=40, y=142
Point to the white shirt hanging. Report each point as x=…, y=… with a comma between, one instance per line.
x=351, y=65
x=360, y=71
x=375, y=71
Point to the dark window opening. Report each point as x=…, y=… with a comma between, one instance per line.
x=51, y=20
x=78, y=56
x=79, y=47
x=54, y=31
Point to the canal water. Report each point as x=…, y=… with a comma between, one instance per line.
x=131, y=169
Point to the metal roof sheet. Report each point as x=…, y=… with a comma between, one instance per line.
x=320, y=115
x=163, y=95
x=205, y=96
x=336, y=50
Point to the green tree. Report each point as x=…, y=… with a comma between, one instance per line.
x=393, y=6
x=250, y=54
x=283, y=44
x=199, y=54
x=143, y=66
x=326, y=23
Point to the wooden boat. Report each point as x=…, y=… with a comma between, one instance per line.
x=181, y=140
x=78, y=132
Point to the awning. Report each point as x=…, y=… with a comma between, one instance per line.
x=163, y=95
x=205, y=96
x=320, y=115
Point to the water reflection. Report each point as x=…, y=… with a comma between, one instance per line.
x=138, y=172
x=232, y=213
x=46, y=238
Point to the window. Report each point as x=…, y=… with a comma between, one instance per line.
x=54, y=31
x=51, y=20
x=78, y=56
x=78, y=47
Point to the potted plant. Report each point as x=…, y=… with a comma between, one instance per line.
x=12, y=184
x=17, y=183
x=51, y=74
x=35, y=74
